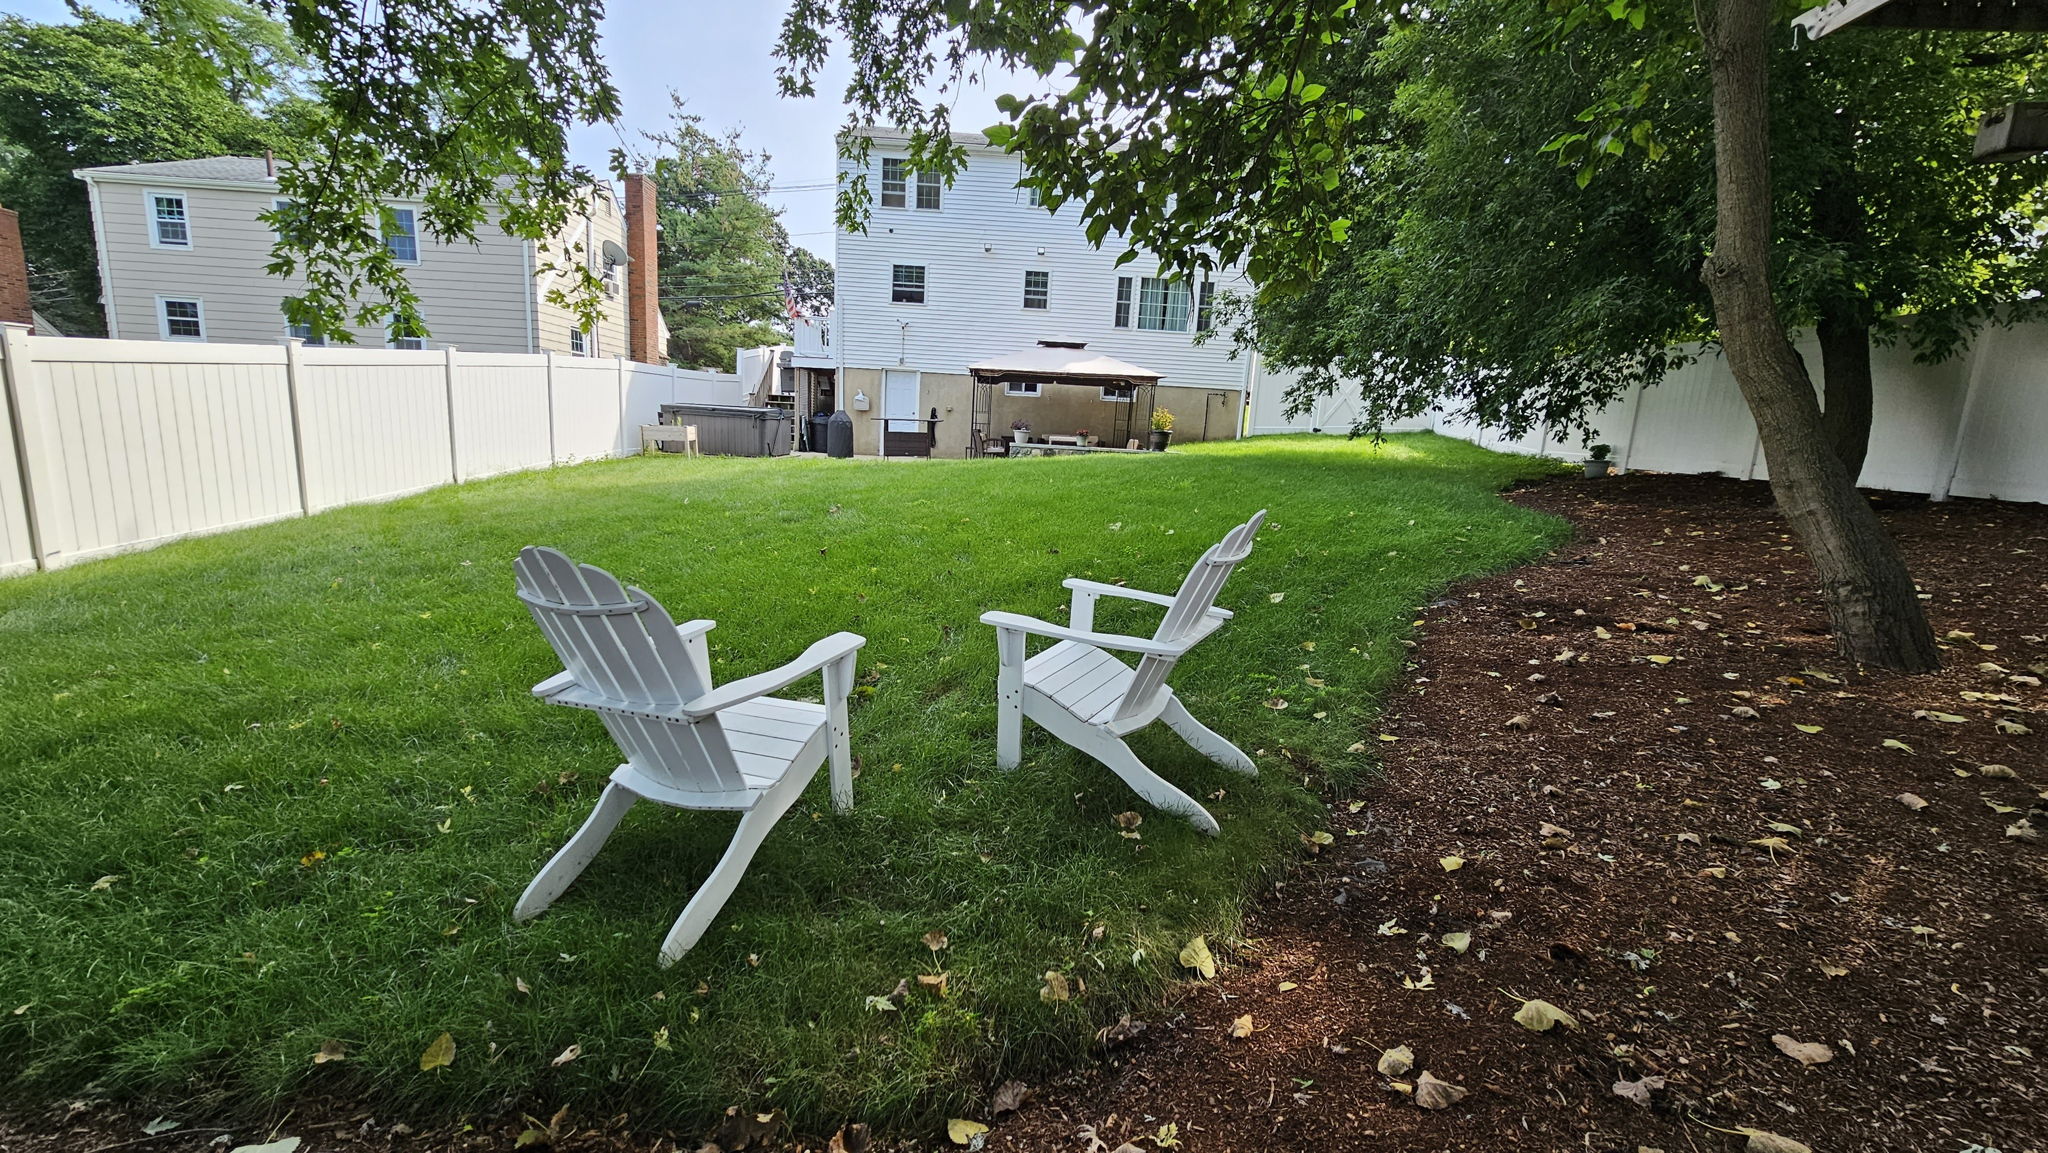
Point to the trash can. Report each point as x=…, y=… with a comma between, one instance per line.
x=839, y=436
x=724, y=430
x=820, y=423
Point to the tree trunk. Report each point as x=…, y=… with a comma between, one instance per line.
x=1844, y=332
x=1871, y=599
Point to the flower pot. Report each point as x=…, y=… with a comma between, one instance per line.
x=1159, y=438
x=1599, y=467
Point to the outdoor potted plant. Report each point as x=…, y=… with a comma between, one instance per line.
x=1021, y=428
x=1597, y=460
x=1162, y=428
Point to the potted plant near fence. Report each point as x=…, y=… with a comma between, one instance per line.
x=1162, y=428
x=1598, y=460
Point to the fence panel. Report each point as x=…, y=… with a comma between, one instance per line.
x=587, y=421
x=17, y=553
x=153, y=443
x=374, y=424
x=501, y=414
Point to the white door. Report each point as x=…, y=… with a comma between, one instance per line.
x=899, y=400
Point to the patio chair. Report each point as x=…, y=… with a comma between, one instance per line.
x=687, y=744
x=1081, y=693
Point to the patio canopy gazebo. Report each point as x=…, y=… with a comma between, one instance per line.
x=1026, y=381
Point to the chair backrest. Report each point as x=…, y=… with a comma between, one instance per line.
x=1189, y=610
x=627, y=658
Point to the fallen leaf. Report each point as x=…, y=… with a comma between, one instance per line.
x=1944, y=718
x=330, y=1051
x=1518, y=721
x=2001, y=772
x=105, y=883
x=1431, y=1093
x=1288, y=986
x=440, y=1053
x=1763, y=1142
x=1276, y=703
x=1456, y=942
x=1451, y=864
x=1396, y=1061
x=1807, y=728
x=1745, y=712
x=1196, y=955
x=566, y=1056
x=1276, y=598
x=520, y=984
x=1902, y=746
x=1056, y=987
x=1009, y=1098
x=1242, y=1027
x=1549, y=830
x=1912, y=801
x=1782, y=827
x=1659, y=659
x=281, y=1145
x=961, y=1131
x=2023, y=831
x=1808, y=1053
x=1539, y=1016
x=160, y=1125
x=1638, y=1091
x=2010, y=728
x=935, y=940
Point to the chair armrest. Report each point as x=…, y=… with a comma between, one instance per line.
x=554, y=685
x=1118, y=641
x=1097, y=588
x=690, y=630
x=838, y=646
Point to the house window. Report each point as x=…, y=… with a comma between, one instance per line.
x=1163, y=305
x=1123, y=302
x=1037, y=289
x=1020, y=388
x=1205, y=307
x=1119, y=393
x=181, y=319
x=611, y=277
x=579, y=342
x=404, y=336
x=169, y=227
x=1032, y=194
x=895, y=182
x=403, y=240
x=906, y=284
x=928, y=191
x=304, y=333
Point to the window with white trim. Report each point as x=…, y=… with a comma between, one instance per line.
x=1123, y=302
x=928, y=191
x=169, y=225
x=906, y=284
x=180, y=319
x=304, y=334
x=404, y=239
x=579, y=342
x=895, y=182
x=1163, y=305
x=1037, y=289
x=1033, y=195
x=405, y=337
x=1021, y=387
x=1205, y=307
x=1119, y=393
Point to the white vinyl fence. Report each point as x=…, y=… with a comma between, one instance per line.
x=117, y=445
x=1975, y=425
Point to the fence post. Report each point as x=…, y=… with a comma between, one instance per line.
x=554, y=457
x=454, y=453
x=31, y=460
x=292, y=347
x=1635, y=419
x=619, y=441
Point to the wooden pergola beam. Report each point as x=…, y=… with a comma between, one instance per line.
x=1937, y=15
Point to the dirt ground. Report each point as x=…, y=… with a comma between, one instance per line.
x=1635, y=784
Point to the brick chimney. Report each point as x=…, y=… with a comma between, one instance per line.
x=643, y=293
x=14, y=306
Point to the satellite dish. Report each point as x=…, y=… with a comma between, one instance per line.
x=614, y=253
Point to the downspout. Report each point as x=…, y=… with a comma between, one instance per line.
x=532, y=291
x=99, y=243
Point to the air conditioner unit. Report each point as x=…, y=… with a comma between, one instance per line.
x=2014, y=132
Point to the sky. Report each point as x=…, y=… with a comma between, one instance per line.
x=718, y=55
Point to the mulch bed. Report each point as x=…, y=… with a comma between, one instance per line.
x=1680, y=820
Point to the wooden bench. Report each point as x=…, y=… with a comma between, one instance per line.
x=684, y=436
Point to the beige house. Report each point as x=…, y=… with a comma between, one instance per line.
x=182, y=251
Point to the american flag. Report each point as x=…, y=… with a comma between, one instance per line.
x=789, y=301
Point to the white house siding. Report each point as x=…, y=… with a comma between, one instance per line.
x=583, y=240
x=472, y=296
x=975, y=250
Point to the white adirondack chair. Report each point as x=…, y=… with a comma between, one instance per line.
x=686, y=743
x=1082, y=694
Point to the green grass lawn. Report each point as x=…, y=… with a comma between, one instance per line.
x=281, y=787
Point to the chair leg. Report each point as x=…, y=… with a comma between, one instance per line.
x=1205, y=741
x=1009, y=698
x=1119, y=758
x=717, y=888
x=564, y=867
